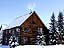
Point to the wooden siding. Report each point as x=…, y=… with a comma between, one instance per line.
x=28, y=30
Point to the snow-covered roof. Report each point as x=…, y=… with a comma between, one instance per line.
x=19, y=20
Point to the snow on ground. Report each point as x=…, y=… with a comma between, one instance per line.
x=54, y=46
x=3, y=46
x=30, y=46
x=38, y=46
x=35, y=46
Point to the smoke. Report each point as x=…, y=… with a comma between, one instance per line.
x=31, y=6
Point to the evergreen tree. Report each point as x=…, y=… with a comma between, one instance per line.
x=40, y=40
x=60, y=27
x=13, y=41
x=60, y=22
x=52, y=31
x=1, y=34
x=62, y=36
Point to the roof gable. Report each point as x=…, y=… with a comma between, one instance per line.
x=19, y=21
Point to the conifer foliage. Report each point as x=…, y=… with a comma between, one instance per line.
x=60, y=22
x=13, y=41
x=60, y=27
x=52, y=32
x=1, y=35
x=56, y=31
x=40, y=40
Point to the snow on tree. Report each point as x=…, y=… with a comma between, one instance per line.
x=40, y=39
x=60, y=27
x=1, y=35
x=60, y=22
x=52, y=31
x=62, y=36
x=13, y=41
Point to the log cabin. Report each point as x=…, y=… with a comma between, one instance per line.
x=26, y=30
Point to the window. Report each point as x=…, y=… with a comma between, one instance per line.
x=17, y=30
x=33, y=22
x=40, y=30
x=13, y=31
x=9, y=31
x=25, y=40
x=27, y=29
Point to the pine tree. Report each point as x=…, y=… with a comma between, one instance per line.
x=62, y=36
x=0, y=37
x=60, y=22
x=13, y=41
x=60, y=27
x=1, y=34
x=40, y=40
x=52, y=31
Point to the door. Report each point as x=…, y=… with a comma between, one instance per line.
x=26, y=40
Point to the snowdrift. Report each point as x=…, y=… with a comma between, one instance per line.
x=30, y=46
x=38, y=46
x=54, y=46
x=35, y=46
x=3, y=46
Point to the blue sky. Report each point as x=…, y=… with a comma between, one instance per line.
x=10, y=9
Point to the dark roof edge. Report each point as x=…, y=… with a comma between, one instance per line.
x=40, y=19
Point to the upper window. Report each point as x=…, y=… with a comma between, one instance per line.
x=27, y=29
x=13, y=31
x=40, y=30
x=17, y=29
x=9, y=31
x=33, y=22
